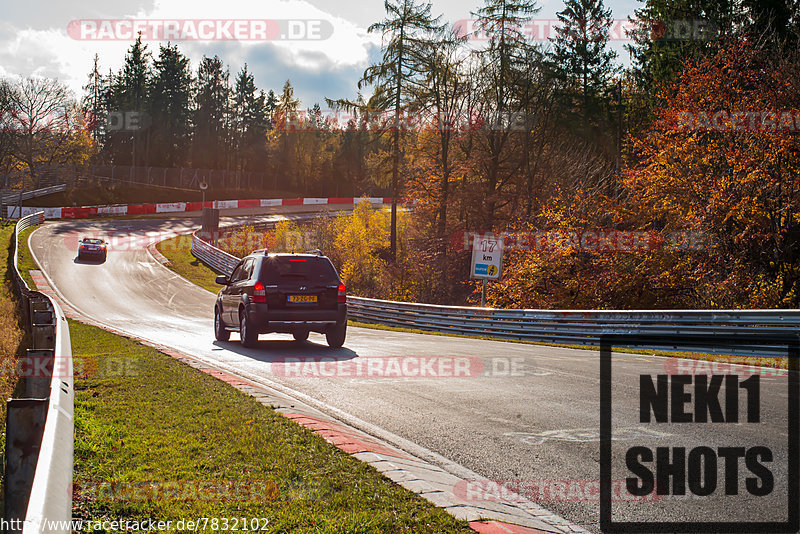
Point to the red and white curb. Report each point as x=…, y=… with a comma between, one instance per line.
x=84, y=212
x=160, y=258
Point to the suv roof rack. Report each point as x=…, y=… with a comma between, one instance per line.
x=315, y=251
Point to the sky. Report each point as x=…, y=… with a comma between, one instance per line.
x=322, y=46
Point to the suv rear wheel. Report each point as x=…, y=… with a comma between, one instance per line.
x=246, y=332
x=335, y=335
x=219, y=327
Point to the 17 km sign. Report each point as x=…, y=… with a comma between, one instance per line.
x=487, y=258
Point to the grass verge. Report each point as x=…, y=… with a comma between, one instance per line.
x=150, y=430
x=184, y=263
x=178, y=251
x=26, y=262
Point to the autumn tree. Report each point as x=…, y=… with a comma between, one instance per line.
x=721, y=158
x=500, y=72
x=46, y=126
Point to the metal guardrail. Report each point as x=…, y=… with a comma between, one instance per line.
x=10, y=198
x=706, y=331
x=217, y=259
x=39, y=433
x=220, y=260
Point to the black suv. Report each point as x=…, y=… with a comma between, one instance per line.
x=290, y=293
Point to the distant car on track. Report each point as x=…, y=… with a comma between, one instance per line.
x=92, y=246
x=286, y=293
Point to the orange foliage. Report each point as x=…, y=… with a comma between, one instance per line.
x=739, y=183
x=739, y=187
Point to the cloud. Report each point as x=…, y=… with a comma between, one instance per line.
x=34, y=39
x=345, y=46
x=332, y=65
x=272, y=67
x=46, y=14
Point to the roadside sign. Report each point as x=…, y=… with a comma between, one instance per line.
x=203, y=186
x=487, y=257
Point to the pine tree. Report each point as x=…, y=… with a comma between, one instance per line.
x=501, y=21
x=6, y=134
x=210, y=140
x=244, y=97
x=285, y=119
x=129, y=94
x=94, y=103
x=443, y=93
x=269, y=108
x=581, y=61
x=249, y=121
x=170, y=99
x=661, y=44
x=406, y=30
x=287, y=102
x=773, y=21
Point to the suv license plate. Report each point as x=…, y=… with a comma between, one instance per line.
x=302, y=298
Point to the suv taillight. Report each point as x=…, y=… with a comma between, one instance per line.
x=259, y=292
x=342, y=296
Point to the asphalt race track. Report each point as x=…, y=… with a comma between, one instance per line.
x=508, y=411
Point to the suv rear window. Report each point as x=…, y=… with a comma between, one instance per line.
x=286, y=269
